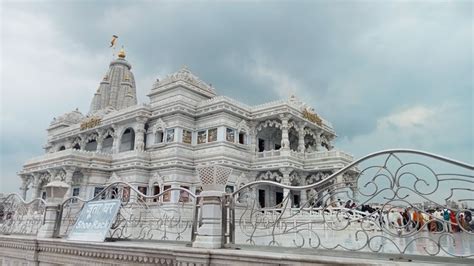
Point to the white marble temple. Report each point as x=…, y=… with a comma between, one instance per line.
x=184, y=125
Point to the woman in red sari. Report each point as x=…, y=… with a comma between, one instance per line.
x=454, y=223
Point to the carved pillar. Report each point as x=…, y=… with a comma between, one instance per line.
x=83, y=191
x=330, y=146
x=140, y=137
x=68, y=144
x=116, y=140
x=53, y=173
x=253, y=136
x=55, y=191
x=286, y=181
x=83, y=142
x=303, y=196
x=68, y=178
x=317, y=137
x=210, y=232
x=35, y=186
x=100, y=141
x=285, y=141
x=140, y=134
x=301, y=137
x=24, y=185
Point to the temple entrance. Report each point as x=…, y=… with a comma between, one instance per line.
x=261, y=198
x=296, y=201
x=279, y=197
x=261, y=145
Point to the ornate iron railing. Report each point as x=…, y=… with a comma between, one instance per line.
x=401, y=202
x=140, y=216
x=20, y=217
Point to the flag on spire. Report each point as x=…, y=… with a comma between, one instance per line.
x=114, y=39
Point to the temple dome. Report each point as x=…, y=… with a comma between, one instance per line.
x=117, y=89
x=67, y=119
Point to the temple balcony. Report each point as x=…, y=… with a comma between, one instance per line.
x=313, y=160
x=69, y=157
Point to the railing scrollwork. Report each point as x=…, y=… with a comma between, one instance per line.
x=140, y=217
x=18, y=216
x=399, y=202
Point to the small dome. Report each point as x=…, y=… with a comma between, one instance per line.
x=70, y=118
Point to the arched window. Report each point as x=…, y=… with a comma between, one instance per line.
x=242, y=137
x=293, y=138
x=269, y=136
x=77, y=146
x=91, y=145
x=127, y=142
x=159, y=136
x=107, y=144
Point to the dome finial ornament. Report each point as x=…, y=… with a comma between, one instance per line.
x=121, y=53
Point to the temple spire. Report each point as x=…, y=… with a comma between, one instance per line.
x=117, y=89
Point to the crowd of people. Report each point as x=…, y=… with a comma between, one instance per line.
x=408, y=219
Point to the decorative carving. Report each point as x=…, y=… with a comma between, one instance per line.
x=91, y=123
x=308, y=113
x=242, y=126
x=240, y=180
x=159, y=125
x=294, y=178
x=140, y=137
x=268, y=175
x=269, y=123
x=156, y=179
x=114, y=178
x=316, y=177
x=325, y=142
x=109, y=132
x=93, y=136
x=185, y=75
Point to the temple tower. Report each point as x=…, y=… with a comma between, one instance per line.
x=117, y=90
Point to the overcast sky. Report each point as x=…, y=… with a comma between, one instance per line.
x=387, y=74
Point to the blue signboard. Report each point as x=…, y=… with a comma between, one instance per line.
x=95, y=220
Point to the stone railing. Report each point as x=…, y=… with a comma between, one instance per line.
x=68, y=152
x=268, y=105
x=225, y=99
x=328, y=154
x=307, y=156
x=268, y=154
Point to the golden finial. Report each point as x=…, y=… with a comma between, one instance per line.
x=121, y=53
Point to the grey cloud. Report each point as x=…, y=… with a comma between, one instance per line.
x=354, y=62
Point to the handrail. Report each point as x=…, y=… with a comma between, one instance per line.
x=133, y=188
x=354, y=163
x=21, y=199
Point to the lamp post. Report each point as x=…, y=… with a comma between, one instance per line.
x=214, y=179
x=55, y=191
